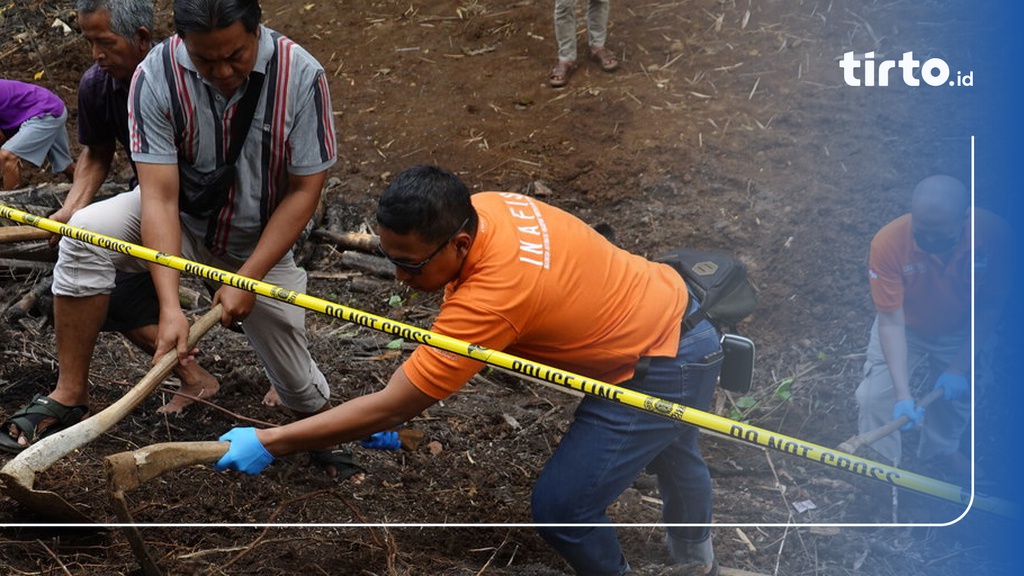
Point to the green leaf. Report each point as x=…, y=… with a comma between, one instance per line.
x=783, y=389
x=745, y=402
x=395, y=300
x=395, y=344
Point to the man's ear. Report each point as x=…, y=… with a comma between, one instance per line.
x=463, y=242
x=143, y=39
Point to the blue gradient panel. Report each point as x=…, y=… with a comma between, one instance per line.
x=999, y=155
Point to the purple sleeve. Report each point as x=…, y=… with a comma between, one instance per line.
x=94, y=126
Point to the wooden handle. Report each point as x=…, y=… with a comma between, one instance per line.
x=127, y=470
x=40, y=455
x=11, y=234
x=872, y=436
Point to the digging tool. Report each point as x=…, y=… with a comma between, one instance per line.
x=12, y=234
x=854, y=442
x=128, y=470
x=704, y=420
x=18, y=475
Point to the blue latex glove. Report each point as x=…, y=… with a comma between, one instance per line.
x=953, y=386
x=246, y=453
x=907, y=408
x=387, y=440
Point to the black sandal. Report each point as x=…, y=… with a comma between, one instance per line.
x=340, y=460
x=39, y=410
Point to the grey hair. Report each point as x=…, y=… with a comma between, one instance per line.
x=126, y=16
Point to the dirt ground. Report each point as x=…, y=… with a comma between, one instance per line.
x=727, y=127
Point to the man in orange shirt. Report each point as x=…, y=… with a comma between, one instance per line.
x=920, y=275
x=534, y=281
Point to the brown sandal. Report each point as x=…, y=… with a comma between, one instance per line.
x=605, y=58
x=560, y=73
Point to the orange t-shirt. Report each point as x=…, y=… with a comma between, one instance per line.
x=936, y=296
x=541, y=284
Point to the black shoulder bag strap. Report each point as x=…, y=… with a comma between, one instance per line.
x=239, y=130
x=244, y=115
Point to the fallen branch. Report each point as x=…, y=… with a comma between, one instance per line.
x=348, y=240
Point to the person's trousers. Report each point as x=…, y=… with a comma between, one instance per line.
x=943, y=421
x=42, y=138
x=609, y=444
x=275, y=329
x=565, y=25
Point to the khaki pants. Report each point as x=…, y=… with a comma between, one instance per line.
x=565, y=25
x=276, y=330
x=943, y=421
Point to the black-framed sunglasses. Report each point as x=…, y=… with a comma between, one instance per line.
x=417, y=268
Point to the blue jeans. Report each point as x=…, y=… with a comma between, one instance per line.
x=609, y=444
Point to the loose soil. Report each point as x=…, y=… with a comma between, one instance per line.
x=727, y=127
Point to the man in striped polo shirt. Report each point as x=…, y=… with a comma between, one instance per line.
x=185, y=100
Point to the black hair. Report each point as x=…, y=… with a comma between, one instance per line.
x=428, y=201
x=210, y=15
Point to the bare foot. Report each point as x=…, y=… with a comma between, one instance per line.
x=271, y=398
x=200, y=384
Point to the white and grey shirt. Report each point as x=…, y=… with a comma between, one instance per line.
x=292, y=131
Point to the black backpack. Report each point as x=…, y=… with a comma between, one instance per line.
x=726, y=297
x=720, y=283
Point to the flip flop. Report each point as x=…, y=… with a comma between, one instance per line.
x=560, y=73
x=605, y=58
x=340, y=459
x=30, y=416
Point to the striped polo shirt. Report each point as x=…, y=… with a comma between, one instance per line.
x=170, y=107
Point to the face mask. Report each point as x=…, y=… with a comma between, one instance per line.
x=935, y=245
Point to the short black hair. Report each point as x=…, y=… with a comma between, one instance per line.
x=210, y=15
x=429, y=201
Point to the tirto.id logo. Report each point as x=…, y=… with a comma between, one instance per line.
x=868, y=72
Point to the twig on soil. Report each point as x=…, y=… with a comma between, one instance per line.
x=194, y=399
x=273, y=516
x=32, y=41
x=942, y=559
x=54, y=556
x=234, y=415
x=491, y=559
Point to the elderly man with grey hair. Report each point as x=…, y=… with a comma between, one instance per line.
x=224, y=81
x=120, y=34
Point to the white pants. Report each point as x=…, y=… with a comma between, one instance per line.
x=944, y=421
x=276, y=330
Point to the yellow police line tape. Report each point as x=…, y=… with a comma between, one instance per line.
x=744, y=432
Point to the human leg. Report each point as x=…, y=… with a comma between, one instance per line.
x=41, y=138
x=10, y=167
x=565, y=36
x=593, y=464
x=196, y=382
x=608, y=444
x=945, y=420
x=82, y=280
x=876, y=396
x=276, y=330
x=59, y=153
x=684, y=481
x=135, y=313
x=597, y=34
x=565, y=29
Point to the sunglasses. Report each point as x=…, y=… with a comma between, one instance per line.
x=417, y=267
